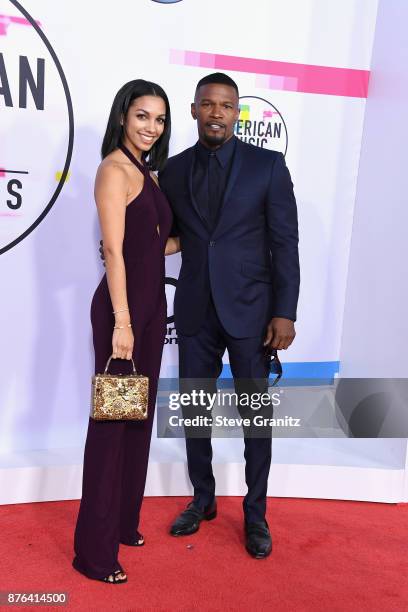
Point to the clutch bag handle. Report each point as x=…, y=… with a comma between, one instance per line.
x=108, y=363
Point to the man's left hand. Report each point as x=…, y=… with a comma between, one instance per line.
x=280, y=333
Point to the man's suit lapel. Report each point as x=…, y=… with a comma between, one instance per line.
x=233, y=177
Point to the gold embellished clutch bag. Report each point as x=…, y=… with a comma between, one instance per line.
x=119, y=397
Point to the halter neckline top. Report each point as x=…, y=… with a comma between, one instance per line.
x=142, y=167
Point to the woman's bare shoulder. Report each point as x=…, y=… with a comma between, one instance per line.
x=111, y=178
x=112, y=170
x=112, y=166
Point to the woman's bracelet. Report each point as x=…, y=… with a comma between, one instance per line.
x=122, y=326
x=121, y=310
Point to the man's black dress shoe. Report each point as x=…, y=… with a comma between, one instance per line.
x=258, y=541
x=189, y=521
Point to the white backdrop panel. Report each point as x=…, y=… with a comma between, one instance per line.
x=48, y=278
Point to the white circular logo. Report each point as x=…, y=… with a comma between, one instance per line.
x=260, y=123
x=36, y=124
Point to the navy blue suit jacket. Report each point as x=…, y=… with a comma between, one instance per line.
x=249, y=261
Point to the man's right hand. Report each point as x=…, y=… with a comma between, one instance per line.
x=101, y=253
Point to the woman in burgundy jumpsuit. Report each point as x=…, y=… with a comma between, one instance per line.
x=116, y=452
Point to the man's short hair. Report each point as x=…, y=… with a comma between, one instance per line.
x=217, y=77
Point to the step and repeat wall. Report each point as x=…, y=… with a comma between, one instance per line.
x=302, y=67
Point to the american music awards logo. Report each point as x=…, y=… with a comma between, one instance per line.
x=36, y=124
x=171, y=332
x=260, y=123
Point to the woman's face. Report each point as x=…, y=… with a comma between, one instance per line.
x=144, y=123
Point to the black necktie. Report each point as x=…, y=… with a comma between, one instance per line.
x=213, y=195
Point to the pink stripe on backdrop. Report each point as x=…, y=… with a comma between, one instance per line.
x=288, y=76
x=11, y=214
x=6, y=20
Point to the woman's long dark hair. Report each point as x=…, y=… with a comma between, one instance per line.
x=158, y=154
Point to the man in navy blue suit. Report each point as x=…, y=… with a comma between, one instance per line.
x=235, y=214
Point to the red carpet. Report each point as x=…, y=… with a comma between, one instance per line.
x=328, y=555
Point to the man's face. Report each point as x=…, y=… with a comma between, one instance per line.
x=216, y=109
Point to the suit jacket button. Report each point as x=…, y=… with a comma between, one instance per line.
x=212, y=243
